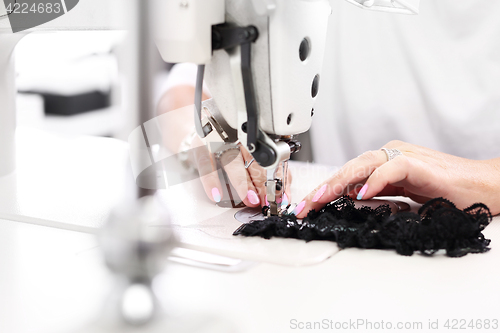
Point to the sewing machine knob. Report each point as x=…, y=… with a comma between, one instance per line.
x=295, y=146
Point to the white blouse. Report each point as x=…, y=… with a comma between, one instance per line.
x=431, y=80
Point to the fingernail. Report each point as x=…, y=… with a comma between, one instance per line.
x=285, y=200
x=252, y=197
x=267, y=202
x=216, y=194
x=362, y=192
x=319, y=194
x=299, y=208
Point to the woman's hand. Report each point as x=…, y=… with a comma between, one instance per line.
x=248, y=178
x=249, y=183
x=420, y=173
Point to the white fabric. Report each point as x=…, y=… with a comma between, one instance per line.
x=431, y=80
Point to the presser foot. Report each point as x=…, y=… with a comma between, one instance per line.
x=275, y=189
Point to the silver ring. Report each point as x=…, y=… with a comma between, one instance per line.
x=248, y=163
x=218, y=154
x=391, y=153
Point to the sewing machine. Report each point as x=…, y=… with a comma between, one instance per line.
x=274, y=107
x=263, y=67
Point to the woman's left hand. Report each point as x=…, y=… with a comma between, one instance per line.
x=419, y=173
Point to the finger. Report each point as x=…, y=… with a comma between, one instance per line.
x=353, y=172
x=405, y=172
x=233, y=164
x=390, y=191
x=208, y=172
x=257, y=174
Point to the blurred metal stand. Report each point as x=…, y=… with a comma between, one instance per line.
x=145, y=66
x=135, y=253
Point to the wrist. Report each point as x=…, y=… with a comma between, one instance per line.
x=491, y=184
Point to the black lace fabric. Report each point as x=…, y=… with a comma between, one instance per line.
x=438, y=225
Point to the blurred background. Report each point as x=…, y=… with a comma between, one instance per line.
x=74, y=86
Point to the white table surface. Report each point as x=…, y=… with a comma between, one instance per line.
x=53, y=280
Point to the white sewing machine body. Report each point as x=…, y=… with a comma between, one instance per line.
x=286, y=57
x=283, y=80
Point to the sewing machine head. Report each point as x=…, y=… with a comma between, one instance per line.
x=263, y=68
x=263, y=63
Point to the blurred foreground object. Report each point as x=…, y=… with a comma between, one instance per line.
x=136, y=251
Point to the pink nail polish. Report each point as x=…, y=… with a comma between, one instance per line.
x=252, y=197
x=319, y=194
x=299, y=208
x=362, y=192
x=267, y=202
x=216, y=194
x=285, y=200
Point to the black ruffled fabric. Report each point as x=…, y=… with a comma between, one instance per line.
x=438, y=225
